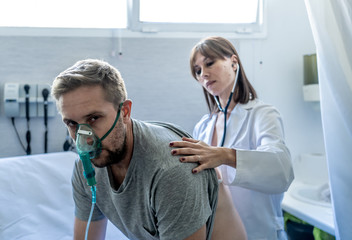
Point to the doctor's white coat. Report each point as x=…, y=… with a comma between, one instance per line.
x=264, y=167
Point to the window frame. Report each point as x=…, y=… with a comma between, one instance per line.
x=257, y=29
x=135, y=29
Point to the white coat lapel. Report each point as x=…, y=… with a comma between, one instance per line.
x=207, y=138
x=236, y=123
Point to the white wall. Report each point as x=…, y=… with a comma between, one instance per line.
x=158, y=81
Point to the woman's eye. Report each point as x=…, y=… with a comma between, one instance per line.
x=198, y=71
x=209, y=63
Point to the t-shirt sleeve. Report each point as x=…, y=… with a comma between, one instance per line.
x=82, y=195
x=183, y=202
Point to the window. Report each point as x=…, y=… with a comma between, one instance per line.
x=64, y=13
x=133, y=18
x=241, y=16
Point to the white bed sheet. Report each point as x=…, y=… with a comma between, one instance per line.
x=36, y=198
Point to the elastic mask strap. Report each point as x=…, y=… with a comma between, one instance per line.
x=113, y=125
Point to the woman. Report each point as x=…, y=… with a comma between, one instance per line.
x=242, y=136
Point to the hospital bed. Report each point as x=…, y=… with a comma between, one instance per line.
x=36, y=198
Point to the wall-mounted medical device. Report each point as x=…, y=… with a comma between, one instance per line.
x=11, y=99
x=27, y=100
x=45, y=101
x=310, y=80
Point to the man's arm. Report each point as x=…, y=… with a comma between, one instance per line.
x=198, y=235
x=97, y=229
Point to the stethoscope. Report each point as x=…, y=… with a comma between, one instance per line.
x=45, y=94
x=28, y=133
x=227, y=105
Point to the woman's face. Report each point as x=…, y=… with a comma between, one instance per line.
x=216, y=76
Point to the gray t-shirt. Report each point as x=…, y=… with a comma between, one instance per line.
x=159, y=198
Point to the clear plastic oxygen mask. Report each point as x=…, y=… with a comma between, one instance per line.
x=88, y=147
x=87, y=142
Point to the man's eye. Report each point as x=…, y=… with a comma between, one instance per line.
x=70, y=124
x=93, y=119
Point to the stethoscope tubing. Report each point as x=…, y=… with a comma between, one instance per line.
x=227, y=105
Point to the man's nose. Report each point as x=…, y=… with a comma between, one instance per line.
x=90, y=141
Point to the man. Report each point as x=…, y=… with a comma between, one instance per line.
x=140, y=187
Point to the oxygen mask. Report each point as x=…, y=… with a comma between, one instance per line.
x=87, y=142
x=88, y=146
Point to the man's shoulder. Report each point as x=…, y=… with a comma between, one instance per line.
x=159, y=128
x=181, y=175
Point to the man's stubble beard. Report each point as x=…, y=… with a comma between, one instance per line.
x=116, y=155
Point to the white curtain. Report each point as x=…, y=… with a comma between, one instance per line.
x=331, y=24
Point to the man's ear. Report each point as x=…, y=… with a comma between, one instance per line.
x=126, y=109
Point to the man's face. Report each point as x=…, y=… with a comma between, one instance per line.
x=88, y=105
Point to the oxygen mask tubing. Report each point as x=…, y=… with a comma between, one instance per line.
x=89, y=146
